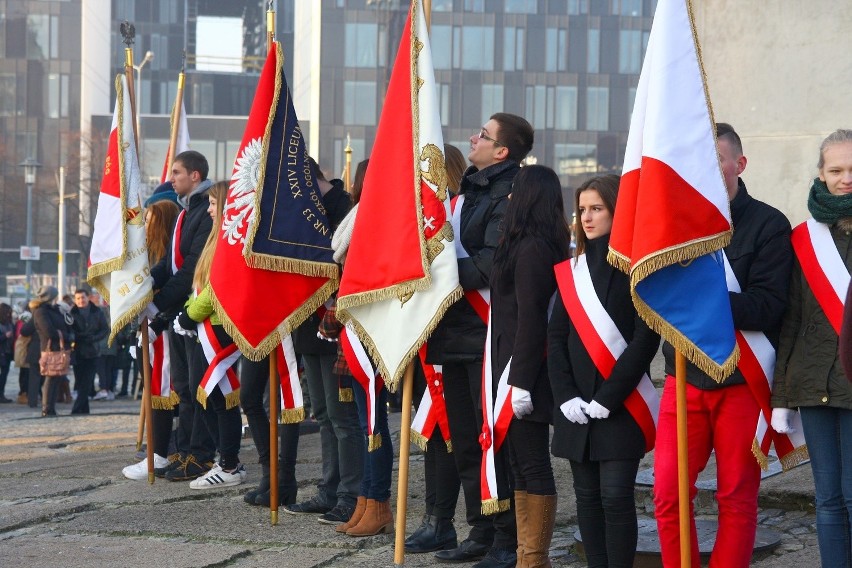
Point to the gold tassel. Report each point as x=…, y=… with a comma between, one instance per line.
x=345, y=394
x=761, y=458
x=292, y=415
x=449, y=446
x=494, y=506
x=232, y=399
x=162, y=403
x=374, y=442
x=419, y=439
x=794, y=458
x=174, y=399
x=201, y=396
x=304, y=267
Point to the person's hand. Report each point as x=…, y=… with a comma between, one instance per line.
x=521, y=402
x=782, y=419
x=149, y=312
x=596, y=410
x=573, y=410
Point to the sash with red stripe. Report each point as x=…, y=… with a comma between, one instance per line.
x=220, y=371
x=432, y=410
x=292, y=404
x=757, y=364
x=603, y=341
x=363, y=371
x=177, y=256
x=163, y=397
x=823, y=268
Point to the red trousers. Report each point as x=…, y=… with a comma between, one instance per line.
x=723, y=420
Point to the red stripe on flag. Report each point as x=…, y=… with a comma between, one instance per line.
x=111, y=181
x=815, y=275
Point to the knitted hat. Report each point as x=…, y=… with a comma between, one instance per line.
x=163, y=191
x=47, y=294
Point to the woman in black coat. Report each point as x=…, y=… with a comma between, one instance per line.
x=535, y=237
x=46, y=326
x=592, y=428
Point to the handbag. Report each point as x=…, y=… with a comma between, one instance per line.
x=55, y=363
x=21, y=345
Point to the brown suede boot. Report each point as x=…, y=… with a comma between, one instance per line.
x=521, y=520
x=360, y=507
x=541, y=516
x=377, y=519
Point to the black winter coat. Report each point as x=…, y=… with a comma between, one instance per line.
x=460, y=335
x=89, y=330
x=174, y=289
x=573, y=373
x=761, y=257
x=520, y=299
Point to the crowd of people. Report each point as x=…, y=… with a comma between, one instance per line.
x=553, y=304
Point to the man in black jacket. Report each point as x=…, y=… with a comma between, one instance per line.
x=90, y=327
x=723, y=416
x=173, y=285
x=458, y=343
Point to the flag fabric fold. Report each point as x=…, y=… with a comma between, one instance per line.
x=394, y=295
x=118, y=260
x=273, y=266
x=672, y=215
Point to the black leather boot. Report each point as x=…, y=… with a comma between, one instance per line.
x=251, y=496
x=435, y=533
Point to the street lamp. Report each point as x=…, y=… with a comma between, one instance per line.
x=30, y=166
x=149, y=55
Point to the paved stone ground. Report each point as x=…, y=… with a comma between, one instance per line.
x=64, y=503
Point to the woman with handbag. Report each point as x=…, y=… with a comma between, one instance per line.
x=49, y=356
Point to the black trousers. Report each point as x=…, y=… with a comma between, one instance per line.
x=442, y=478
x=84, y=378
x=193, y=436
x=462, y=388
x=529, y=453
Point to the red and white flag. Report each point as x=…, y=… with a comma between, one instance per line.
x=181, y=142
x=118, y=260
x=395, y=293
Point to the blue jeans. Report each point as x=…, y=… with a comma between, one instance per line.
x=825, y=429
x=341, y=439
x=378, y=464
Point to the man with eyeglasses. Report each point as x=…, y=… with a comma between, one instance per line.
x=458, y=342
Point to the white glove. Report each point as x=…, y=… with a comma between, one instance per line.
x=324, y=338
x=782, y=418
x=178, y=328
x=521, y=402
x=149, y=312
x=596, y=410
x=573, y=410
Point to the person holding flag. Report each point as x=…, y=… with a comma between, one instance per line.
x=598, y=354
x=809, y=374
x=723, y=416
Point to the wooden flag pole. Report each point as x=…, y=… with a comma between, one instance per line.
x=146, y=400
x=404, y=453
x=682, y=462
x=176, y=112
x=140, y=430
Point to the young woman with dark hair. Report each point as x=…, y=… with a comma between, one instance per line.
x=535, y=237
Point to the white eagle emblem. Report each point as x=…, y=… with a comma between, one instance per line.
x=239, y=210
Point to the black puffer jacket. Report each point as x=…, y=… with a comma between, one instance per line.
x=761, y=256
x=89, y=330
x=460, y=335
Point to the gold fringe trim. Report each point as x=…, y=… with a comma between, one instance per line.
x=273, y=340
x=449, y=446
x=794, y=458
x=494, y=506
x=419, y=439
x=345, y=395
x=618, y=260
x=201, y=396
x=682, y=252
x=164, y=402
x=374, y=442
x=761, y=458
x=292, y=415
x=284, y=264
x=392, y=380
x=232, y=399
x=700, y=359
x=128, y=316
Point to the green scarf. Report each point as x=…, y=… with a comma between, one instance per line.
x=825, y=206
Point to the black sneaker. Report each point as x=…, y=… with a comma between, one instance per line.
x=175, y=461
x=312, y=505
x=339, y=514
x=190, y=469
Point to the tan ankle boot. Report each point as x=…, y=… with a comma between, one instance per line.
x=521, y=520
x=360, y=507
x=377, y=519
x=541, y=516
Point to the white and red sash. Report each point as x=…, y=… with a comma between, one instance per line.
x=757, y=364
x=292, y=404
x=220, y=371
x=177, y=257
x=432, y=410
x=823, y=268
x=363, y=372
x=603, y=341
x=163, y=397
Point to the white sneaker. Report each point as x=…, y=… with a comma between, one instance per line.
x=73, y=395
x=110, y=395
x=217, y=477
x=139, y=471
x=100, y=395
